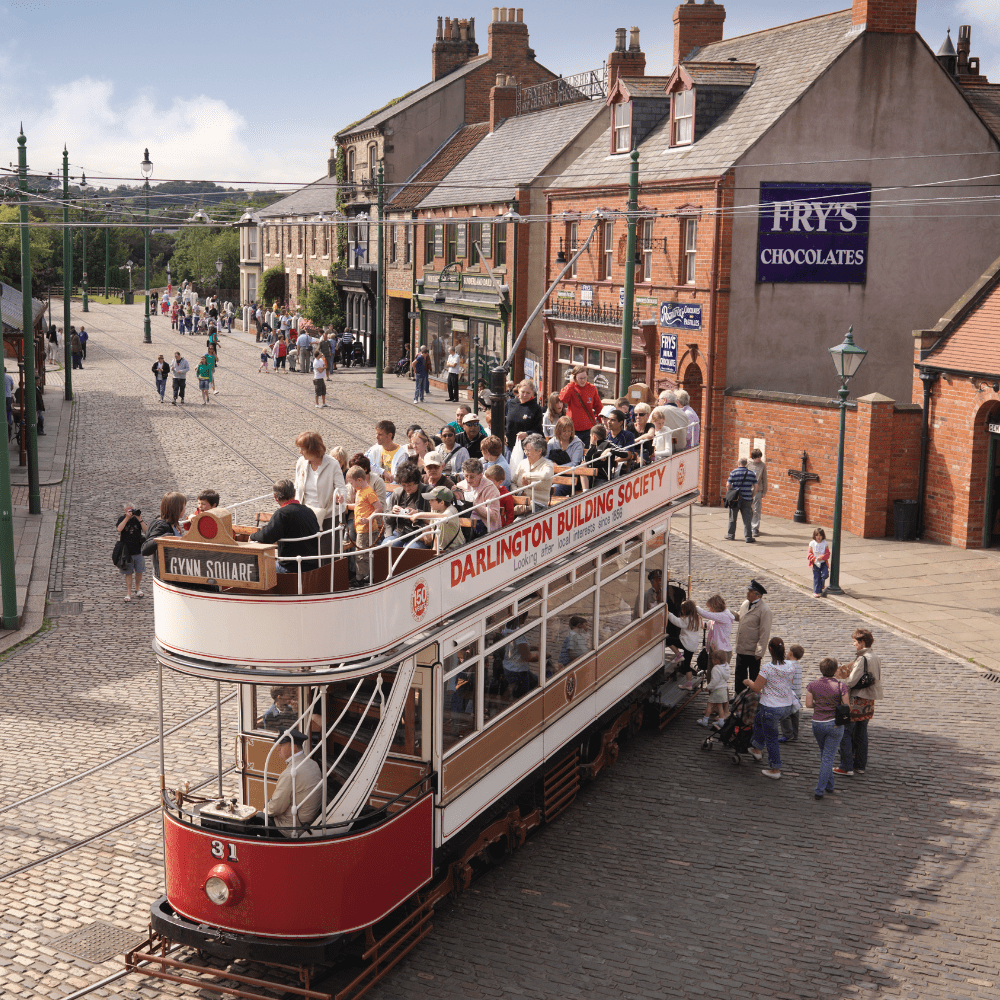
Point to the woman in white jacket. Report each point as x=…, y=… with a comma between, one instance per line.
x=317, y=477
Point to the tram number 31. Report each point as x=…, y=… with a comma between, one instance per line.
x=219, y=851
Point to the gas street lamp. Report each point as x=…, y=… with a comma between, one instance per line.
x=83, y=235
x=847, y=358
x=218, y=281
x=146, y=166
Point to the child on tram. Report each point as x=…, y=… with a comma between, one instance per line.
x=689, y=622
x=718, y=689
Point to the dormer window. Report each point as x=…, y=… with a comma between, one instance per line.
x=623, y=127
x=682, y=118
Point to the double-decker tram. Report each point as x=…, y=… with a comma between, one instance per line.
x=395, y=739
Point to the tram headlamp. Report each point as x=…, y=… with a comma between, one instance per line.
x=223, y=886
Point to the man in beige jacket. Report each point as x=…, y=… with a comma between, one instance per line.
x=297, y=795
x=753, y=635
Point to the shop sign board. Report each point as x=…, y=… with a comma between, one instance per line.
x=685, y=315
x=668, y=353
x=993, y=428
x=439, y=239
x=813, y=232
x=587, y=295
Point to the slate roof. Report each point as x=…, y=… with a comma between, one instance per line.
x=454, y=150
x=985, y=98
x=789, y=58
x=726, y=74
x=11, y=308
x=971, y=330
x=514, y=154
x=384, y=114
x=645, y=86
x=320, y=196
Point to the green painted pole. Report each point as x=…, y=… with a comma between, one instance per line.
x=512, y=282
x=8, y=573
x=633, y=207
x=67, y=281
x=147, y=336
x=28, y=330
x=379, y=313
x=107, y=257
x=83, y=240
x=834, y=586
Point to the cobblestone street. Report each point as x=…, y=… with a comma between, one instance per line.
x=673, y=874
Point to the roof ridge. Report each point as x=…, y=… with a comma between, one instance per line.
x=775, y=27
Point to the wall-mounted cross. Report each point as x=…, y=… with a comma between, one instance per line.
x=803, y=477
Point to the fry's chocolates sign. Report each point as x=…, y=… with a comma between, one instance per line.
x=813, y=233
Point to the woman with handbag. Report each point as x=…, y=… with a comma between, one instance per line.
x=828, y=699
x=865, y=683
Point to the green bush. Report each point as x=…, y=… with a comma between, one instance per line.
x=321, y=304
x=272, y=285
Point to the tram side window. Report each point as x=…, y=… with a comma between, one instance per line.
x=619, y=602
x=512, y=670
x=461, y=690
x=276, y=707
x=569, y=634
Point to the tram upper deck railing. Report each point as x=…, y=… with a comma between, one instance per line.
x=263, y=636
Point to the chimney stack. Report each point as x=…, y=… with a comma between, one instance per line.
x=892, y=17
x=696, y=25
x=503, y=100
x=508, y=40
x=454, y=46
x=627, y=63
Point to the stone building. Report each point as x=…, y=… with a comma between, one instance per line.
x=250, y=257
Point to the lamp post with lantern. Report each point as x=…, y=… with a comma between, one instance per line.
x=218, y=282
x=83, y=240
x=847, y=358
x=146, y=166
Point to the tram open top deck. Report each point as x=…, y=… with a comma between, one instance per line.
x=264, y=635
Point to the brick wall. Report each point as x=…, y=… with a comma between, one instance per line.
x=696, y=25
x=887, y=16
x=881, y=454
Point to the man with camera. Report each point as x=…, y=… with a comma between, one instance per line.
x=131, y=528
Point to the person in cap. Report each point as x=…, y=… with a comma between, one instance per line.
x=753, y=634
x=452, y=456
x=442, y=504
x=471, y=438
x=434, y=474
x=297, y=797
x=654, y=594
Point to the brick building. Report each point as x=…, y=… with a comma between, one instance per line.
x=790, y=188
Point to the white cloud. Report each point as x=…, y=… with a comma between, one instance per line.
x=188, y=138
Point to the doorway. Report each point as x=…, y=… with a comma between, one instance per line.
x=693, y=384
x=991, y=525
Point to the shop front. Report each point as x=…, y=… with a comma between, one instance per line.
x=357, y=287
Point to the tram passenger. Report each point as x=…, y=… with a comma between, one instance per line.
x=535, y=472
x=495, y=474
x=386, y=456
x=168, y=523
x=292, y=520
x=450, y=537
x=599, y=456
x=565, y=448
x=493, y=455
x=317, y=477
x=208, y=500
x=520, y=670
x=575, y=644
x=297, y=797
x=524, y=417
x=283, y=711
x=434, y=471
x=452, y=456
x=367, y=526
x=405, y=501
x=472, y=436
x=479, y=491
x=654, y=594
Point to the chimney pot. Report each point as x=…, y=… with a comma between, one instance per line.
x=496, y=14
x=633, y=45
x=510, y=15
x=454, y=29
x=440, y=35
x=503, y=13
x=619, y=39
x=500, y=79
x=472, y=29
x=520, y=15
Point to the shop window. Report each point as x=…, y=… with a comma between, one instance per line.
x=500, y=254
x=475, y=235
x=609, y=250
x=690, y=250
x=623, y=127
x=682, y=118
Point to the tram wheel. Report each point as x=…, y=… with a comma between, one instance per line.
x=707, y=745
x=737, y=759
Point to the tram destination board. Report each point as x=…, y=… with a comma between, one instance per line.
x=251, y=566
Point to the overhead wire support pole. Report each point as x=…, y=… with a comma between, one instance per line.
x=67, y=282
x=379, y=314
x=28, y=391
x=625, y=377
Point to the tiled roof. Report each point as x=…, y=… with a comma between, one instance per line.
x=985, y=98
x=454, y=150
x=320, y=196
x=726, y=74
x=11, y=308
x=645, y=86
x=414, y=97
x=514, y=154
x=789, y=58
x=970, y=330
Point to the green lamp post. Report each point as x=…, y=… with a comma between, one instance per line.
x=83, y=238
x=847, y=358
x=147, y=171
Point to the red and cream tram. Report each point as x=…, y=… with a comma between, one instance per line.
x=451, y=706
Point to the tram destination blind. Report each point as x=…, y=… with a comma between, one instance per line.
x=225, y=565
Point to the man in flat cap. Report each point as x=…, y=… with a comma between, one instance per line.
x=297, y=797
x=753, y=635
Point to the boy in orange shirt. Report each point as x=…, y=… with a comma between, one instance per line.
x=366, y=505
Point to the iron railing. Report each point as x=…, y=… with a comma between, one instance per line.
x=565, y=90
x=581, y=312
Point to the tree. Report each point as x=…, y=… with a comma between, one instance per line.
x=272, y=285
x=39, y=240
x=322, y=304
x=196, y=252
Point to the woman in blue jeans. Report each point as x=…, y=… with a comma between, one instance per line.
x=823, y=696
x=774, y=684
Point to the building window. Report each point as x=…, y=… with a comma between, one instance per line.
x=623, y=127
x=475, y=236
x=326, y=241
x=288, y=240
x=251, y=243
x=609, y=250
x=409, y=244
x=450, y=243
x=574, y=244
x=252, y=287
x=350, y=166
x=690, y=250
x=392, y=244
x=312, y=240
x=372, y=162
x=647, y=250
x=302, y=240
x=428, y=244
x=267, y=239
x=683, y=117
x=500, y=252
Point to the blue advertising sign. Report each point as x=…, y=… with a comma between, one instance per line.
x=686, y=315
x=668, y=353
x=813, y=232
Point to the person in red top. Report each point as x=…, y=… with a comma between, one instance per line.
x=496, y=475
x=583, y=403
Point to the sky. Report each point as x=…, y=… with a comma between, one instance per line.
x=253, y=91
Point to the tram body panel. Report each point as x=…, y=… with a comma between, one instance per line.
x=300, y=888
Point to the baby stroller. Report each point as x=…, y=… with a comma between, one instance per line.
x=737, y=731
x=358, y=359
